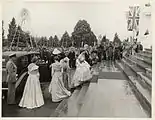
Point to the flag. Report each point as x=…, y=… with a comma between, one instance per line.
x=147, y=32
x=133, y=17
x=137, y=33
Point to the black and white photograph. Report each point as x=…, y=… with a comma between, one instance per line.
x=77, y=59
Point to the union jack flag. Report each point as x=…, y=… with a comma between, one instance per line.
x=133, y=18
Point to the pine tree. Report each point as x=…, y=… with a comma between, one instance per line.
x=66, y=40
x=56, y=41
x=50, y=41
x=42, y=41
x=83, y=34
x=12, y=32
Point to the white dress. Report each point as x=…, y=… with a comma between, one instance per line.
x=56, y=87
x=82, y=73
x=32, y=96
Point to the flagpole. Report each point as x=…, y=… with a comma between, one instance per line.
x=133, y=27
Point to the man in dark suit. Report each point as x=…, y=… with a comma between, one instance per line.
x=72, y=59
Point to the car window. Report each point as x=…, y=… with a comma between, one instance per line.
x=3, y=63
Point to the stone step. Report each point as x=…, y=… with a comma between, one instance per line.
x=80, y=99
x=86, y=106
x=143, y=66
x=147, y=81
x=147, y=52
x=149, y=73
x=145, y=55
x=70, y=107
x=143, y=80
x=148, y=76
x=148, y=49
x=146, y=60
x=63, y=106
x=140, y=92
x=140, y=64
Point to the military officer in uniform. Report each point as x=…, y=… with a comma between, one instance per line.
x=11, y=70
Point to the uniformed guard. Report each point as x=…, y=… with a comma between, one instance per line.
x=11, y=70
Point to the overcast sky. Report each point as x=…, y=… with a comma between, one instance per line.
x=49, y=18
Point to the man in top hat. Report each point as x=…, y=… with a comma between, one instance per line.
x=11, y=70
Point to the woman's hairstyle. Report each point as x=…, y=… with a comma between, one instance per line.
x=57, y=58
x=34, y=59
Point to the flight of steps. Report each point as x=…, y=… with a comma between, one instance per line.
x=72, y=106
x=138, y=68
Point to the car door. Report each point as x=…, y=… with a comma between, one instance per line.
x=44, y=70
x=22, y=63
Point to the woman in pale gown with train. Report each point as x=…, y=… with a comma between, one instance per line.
x=82, y=72
x=32, y=96
x=56, y=87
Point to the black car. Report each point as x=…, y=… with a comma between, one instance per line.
x=23, y=59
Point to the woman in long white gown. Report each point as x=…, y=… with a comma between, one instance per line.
x=82, y=73
x=65, y=72
x=56, y=87
x=32, y=96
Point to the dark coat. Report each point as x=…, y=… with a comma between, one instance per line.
x=86, y=53
x=71, y=55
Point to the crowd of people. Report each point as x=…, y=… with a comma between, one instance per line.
x=134, y=48
x=105, y=51
x=61, y=61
